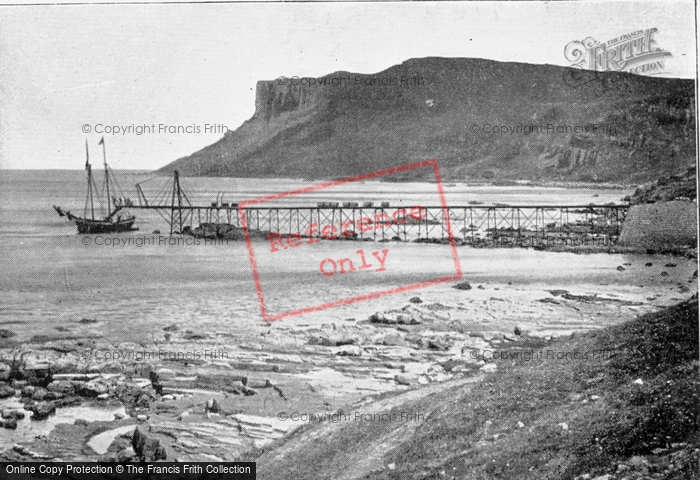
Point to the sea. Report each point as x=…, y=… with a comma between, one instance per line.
x=52, y=276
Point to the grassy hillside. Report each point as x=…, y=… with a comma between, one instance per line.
x=633, y=128
x=629, y=413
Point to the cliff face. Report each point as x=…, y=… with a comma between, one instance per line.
x=480, y=119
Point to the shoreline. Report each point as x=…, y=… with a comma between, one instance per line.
x=228, y=400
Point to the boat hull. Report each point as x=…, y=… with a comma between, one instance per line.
x=104, y=226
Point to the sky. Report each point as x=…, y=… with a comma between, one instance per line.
x=65, y=67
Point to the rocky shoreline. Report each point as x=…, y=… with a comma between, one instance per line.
x=210, y=396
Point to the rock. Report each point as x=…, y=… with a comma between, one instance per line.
x=416, y=300
x=64, y=386
x=12, y=414
x=648, y=264
x=213, y=406
x=88, y=320
x=248, y=391
x=39, y=394
x=489, y=367
x=594, y=397
x=402, y=380
x=142, y=417
x=350, y=351
x=19, y=384
x=28, y=391
x=10, y=423
x=120, y=415
x=81, y=421
x=518, y=331
x=66, y=364
x=54, y=396
x=437, y=344
x=6, y=391
x=664, y=274
x=563, y=425
x=378, y=317
x=462, y=286
x=183, y=415
x=558, y=293
x=670, y=265
x=391, y=466
x=144, y=399
x=406, y=320
x=331, y=341
x=480, y=287
x=42, y=410
x=93, y=389
x=620, y=268
x=126, y=454
x=4, y=333
x=639, y=381
x=103, y=396
x=521, y=425
x=5, y=371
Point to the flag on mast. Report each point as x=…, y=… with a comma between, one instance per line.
x=102, y=141
x=87, y=156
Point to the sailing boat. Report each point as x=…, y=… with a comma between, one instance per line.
x=116, y=220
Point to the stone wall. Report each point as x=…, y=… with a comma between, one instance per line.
x=661, y=225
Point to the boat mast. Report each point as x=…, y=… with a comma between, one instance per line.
x=88, y=167
x=104, y=157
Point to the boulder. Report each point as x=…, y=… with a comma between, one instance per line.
x=381, y=318
x=13, y=414
x=213, y=406
x=66, y=364
x=18, y=384
x=402, y=319
x=437, y=344
x=462, y=286
x=4, y=333
x=93, y=389
x=42, y=410
x=64, y=386
x=331, y=341
x=6, y=391
x=349, y=351
x=39, y=394
x=5, y=371
x=10, y=423
x=416, y=300
x=28, y=391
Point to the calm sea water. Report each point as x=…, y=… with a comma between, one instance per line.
x=51, y=275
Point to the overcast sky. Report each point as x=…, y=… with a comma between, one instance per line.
x=62, y=67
